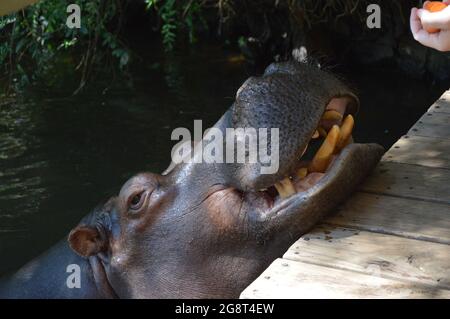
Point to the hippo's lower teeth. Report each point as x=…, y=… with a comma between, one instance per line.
x=285, y=187
x=302, y=172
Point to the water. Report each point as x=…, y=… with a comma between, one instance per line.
x=60, y=155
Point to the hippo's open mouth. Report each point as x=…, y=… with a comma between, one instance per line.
x=334, y=133
x=321, y=160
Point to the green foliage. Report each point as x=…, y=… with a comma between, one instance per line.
x=31, y=40
x=177, y=17
x=310, y=12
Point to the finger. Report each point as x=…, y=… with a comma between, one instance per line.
x=428, y=39
x=414, y=21
x=439, y=20
x=443, y=41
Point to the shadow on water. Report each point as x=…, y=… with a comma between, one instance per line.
x=60, y=155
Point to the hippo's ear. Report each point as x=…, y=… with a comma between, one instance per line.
x=86, y=241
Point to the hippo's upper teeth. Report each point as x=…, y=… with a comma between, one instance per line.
x=322, y=158
x=335, y=140
x=285, y=187
x=346, y=132
x=332, y=115
x=322, y=132
x=304, y=150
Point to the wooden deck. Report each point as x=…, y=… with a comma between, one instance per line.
x=391, y=239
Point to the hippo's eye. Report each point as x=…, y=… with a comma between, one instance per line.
x=137, y=201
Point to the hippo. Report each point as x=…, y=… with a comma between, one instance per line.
x=207, y=230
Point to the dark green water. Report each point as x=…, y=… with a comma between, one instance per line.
x=60, y=155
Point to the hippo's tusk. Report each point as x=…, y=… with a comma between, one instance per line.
x=322, y=158
x=346, y=132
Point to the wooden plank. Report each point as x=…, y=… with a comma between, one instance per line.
x=391, y=239
x=377, y=254
x=432, y=125
x=419, y=150
x=437, y=131
x=410, y=181
x=292, y=279
x=435, y=118
x=442, y=105
x=393, y=215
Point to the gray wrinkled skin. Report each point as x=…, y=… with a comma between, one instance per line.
x=204, y=230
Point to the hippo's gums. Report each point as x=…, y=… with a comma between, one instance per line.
x=208, y=230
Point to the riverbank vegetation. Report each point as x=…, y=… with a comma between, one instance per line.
x=35, y=40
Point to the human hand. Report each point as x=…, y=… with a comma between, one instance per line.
x=422, y=19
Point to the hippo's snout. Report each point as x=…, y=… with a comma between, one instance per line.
x=319, y=163
x=325, y=158
x=302, y=103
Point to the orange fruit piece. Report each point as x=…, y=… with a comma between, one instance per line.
x=434, y=6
